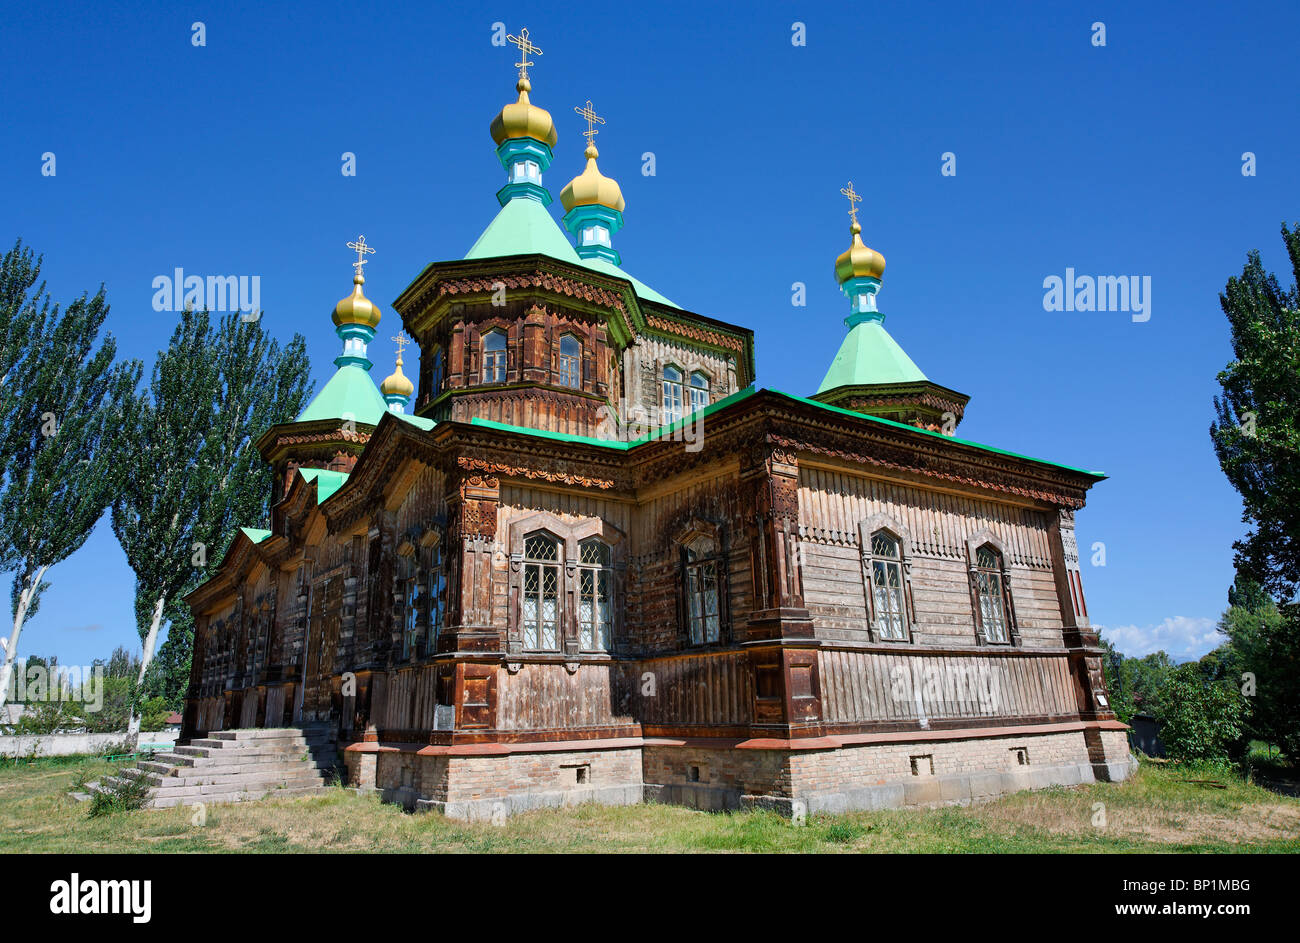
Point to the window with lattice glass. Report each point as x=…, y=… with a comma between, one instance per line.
x=435, y=596
x=410, y=611
x=594, y=581
x=436, y=373
x=703, y=591
x=699, y=391
x=494, y=357
x=672, y=394
x=887, y=585
x=990, y=588
x=540, y=622
x=570, y=362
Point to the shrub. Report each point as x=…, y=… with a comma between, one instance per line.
x=123, y=794
x=1201, y=719
x=154, y=713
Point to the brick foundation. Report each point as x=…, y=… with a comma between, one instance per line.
x=705, y=775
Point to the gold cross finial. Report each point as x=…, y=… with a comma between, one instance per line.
x=401, y=342
x=362, y=250
x=592, y=119
x=525, y=47
x=854, y=199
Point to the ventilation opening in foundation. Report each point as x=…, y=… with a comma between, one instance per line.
x=696, y=774
x=923, y=765
x=581, y=773
x=1020, y=756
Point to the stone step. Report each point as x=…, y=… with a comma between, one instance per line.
x=231, y=797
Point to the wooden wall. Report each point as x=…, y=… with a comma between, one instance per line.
x=833, y=503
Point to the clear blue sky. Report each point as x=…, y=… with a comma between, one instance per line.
x=1122, y=160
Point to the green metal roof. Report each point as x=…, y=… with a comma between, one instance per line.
x=255, y=534
x=869, y=355
x=418, y=421
x=523, y=227
x=349, y=394
x=940, y=435
x=748, y=391
x=526, y=227
x=327, y=481
x=642, y=290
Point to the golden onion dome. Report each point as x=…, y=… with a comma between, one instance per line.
x=356, y=308
x=396, y=383
x=859, y=260
x=523, y=120
x=591, y=187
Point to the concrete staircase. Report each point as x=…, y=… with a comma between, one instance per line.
x=234, y=766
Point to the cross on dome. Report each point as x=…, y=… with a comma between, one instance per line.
x=525, y=48
x=362, y=250
x=854, y=199
x=589, y=114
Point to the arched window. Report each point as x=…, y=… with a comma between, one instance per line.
x=494, y=357
x=410, y=596
x=887, y=586
x=541, y=592
x=435, y=374
x=570, y=362
x=435, y=597
x=594, y=614
x=703, y=587
x=672, y=399
x=699, y=390
x=990, y=591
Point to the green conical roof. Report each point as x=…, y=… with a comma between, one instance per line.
x=523, y=227
x=526, y=227
x=869, y=355
x=349, y=394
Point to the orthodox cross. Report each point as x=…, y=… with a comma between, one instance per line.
x=525, y=47
x=854, y=199
x=362, y=250
x=401, y=342
x=592, y=119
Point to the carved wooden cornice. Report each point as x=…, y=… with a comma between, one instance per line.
x=553, y=474
x=698, y=334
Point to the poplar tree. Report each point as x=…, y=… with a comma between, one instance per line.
x=194, y=475
x=1256, y=434
x=64, y=404
x=1256, y=437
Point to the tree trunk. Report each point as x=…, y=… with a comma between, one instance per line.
x=150, y=640
x=11, y=650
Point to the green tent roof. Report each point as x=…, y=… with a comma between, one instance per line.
x=255, y=534
x=525, y=227
x=869, y=355
x=418, y=421
x=327, y=482
x=349, y=394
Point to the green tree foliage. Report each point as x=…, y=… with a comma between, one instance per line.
x=65, y=404
x=169, y=675
x=1202, y=719
x=1263, y=656
x=1256, y=434
x=1135, y=683
x=194, y=474
x=1121, y=694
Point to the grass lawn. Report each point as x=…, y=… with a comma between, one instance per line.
x=1154, y=811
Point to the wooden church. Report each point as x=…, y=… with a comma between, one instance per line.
x=593, y=562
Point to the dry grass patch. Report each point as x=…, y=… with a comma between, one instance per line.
x=1152, y=812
